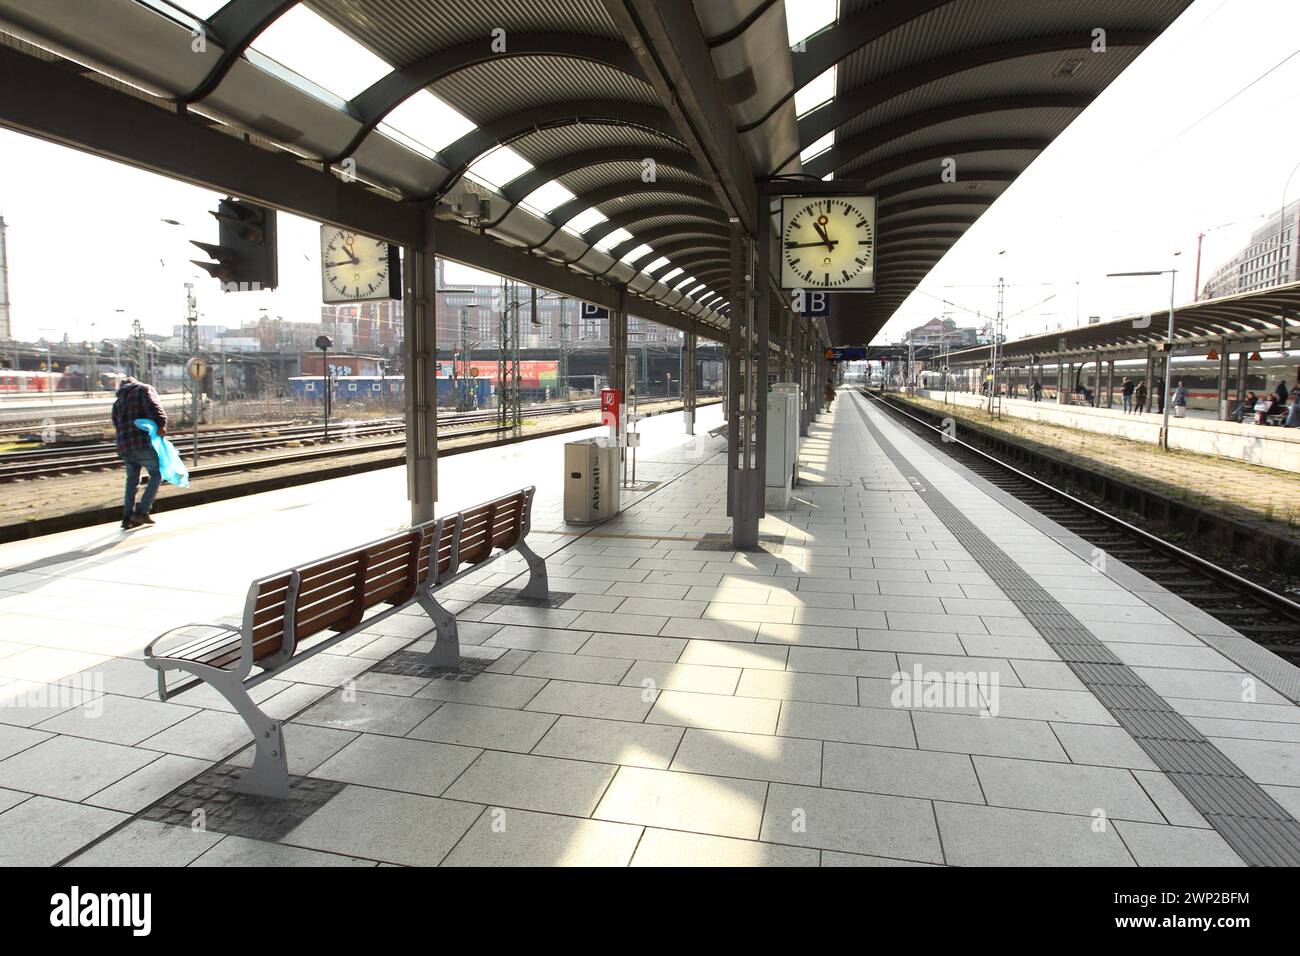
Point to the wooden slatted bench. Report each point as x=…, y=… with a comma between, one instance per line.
x=295, y=614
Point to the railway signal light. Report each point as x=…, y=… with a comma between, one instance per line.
x=244, y=256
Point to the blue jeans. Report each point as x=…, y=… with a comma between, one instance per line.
x=135, y=459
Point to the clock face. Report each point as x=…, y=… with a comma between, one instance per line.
x=355, y=267
x=828, y=242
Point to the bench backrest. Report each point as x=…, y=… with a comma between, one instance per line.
x=335, y=593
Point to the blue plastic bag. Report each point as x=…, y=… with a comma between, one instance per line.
x=170, y=464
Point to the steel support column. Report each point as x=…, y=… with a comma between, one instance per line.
x=618, y=346
x=1225, y=360
x=799, y=357
x=689, y=374
x=744, y=490
x=419, y=364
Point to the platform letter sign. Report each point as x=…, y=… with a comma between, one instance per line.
x=812, y=303
x=590, y=311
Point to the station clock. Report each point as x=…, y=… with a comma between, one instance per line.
x=828, y=242
x=357, y=268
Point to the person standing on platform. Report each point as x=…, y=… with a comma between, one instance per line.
x=1139, y=398
x=137, y=400
x=1180, y=400
x=1126, y=393
x=1293, y=416
x=1038, y=390
x=1159, y=390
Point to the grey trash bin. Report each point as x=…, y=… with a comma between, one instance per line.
x=591, y=480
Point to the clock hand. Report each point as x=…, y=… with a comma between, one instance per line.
x=805, y=245
x=821, y=231
x=335, y=265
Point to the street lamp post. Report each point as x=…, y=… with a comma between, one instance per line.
x=1169, y=344
x=325, y=343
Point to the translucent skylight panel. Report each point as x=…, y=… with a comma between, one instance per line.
x=613, y=239
x=584, y=220
x=315, y=49
x=803, y=18
x=815, y=92
x=499, y=166
x=676, y=270
x=650, y=267
x=200, y=9
x=632, y=255
x=547, y=196
x=820, y=146
x=428, y=120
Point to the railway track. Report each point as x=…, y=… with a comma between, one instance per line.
x=350, y=437
x=1269, y=619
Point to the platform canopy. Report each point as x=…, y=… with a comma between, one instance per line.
x=1249, y=321
x=617, y=142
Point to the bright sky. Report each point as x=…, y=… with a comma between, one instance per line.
x=1130, y=183
x=1138, y=176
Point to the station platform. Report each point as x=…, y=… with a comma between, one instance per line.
x=1269, y=446
x=913, y=669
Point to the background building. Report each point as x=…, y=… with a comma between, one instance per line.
x=937, y=331
x=1262, y=263
x=5, y=327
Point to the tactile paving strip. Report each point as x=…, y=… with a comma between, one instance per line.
x=1255, y=825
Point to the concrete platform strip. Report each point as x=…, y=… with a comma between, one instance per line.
x=1250, y=820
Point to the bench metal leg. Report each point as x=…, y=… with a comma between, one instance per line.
x=538, y=588
x=269, y=775
x=446, y=645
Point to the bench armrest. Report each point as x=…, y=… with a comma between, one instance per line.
x=151, y=654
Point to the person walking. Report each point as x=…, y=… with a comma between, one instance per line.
x=1139, y=398
x=137, y=400
x=1038, y=390
x=1126, y=394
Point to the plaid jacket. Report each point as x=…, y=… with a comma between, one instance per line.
x=135, y=400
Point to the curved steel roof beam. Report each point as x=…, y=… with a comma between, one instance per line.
x=373, y=105
x=632, y=216
x=521, y=187
x=1000, y=176
x=580, y=204
x=950, y=220
x=462, y=154
x=841, y=154
x=594, y=197
x=703, y=267
x=234, y=28
x=686, y=245
x=940, y=151
x=825, y=49
x=650, y=236
x=902, y=208
x=850, y=104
